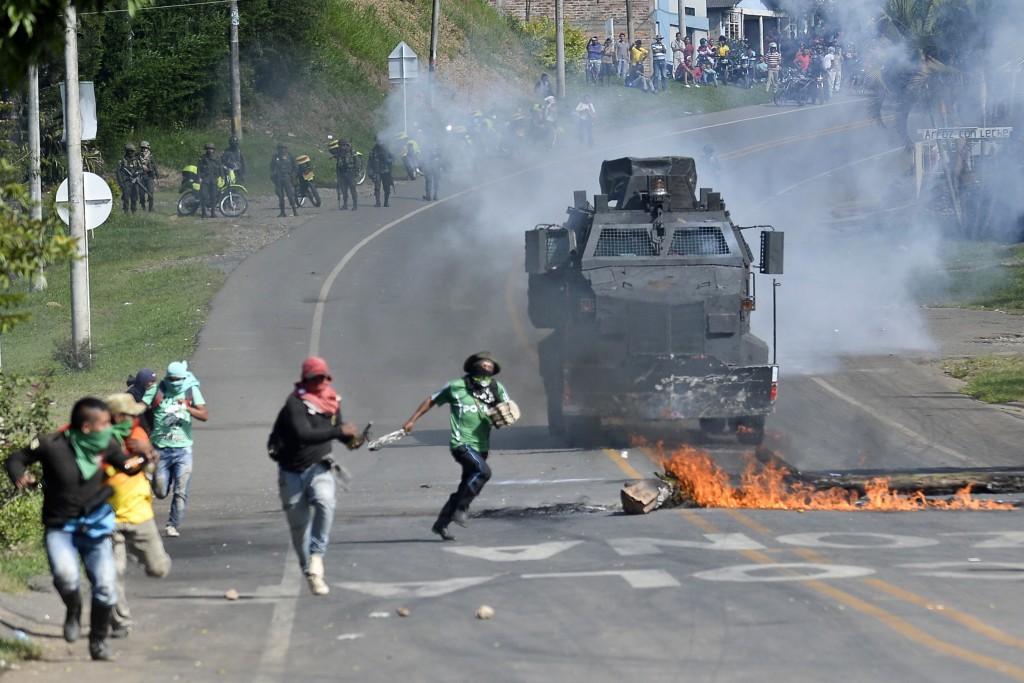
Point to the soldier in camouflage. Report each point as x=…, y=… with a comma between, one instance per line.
x=129, y=172
x=346, y=170
x=149, y=175
x=210, y=173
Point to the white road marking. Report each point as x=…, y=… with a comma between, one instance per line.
x=792, y=571
x=985, y=571
x=279, y=633
x=816, y=540
x=637, y=578
x=956, y=455
x=653, y=546
x=514, y=553
x=528, y=482
x=414, y=589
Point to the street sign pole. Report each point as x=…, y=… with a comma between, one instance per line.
x=81, y=316
x=402, y=67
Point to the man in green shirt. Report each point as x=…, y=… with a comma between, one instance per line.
x=174, y=402
x=470, y=398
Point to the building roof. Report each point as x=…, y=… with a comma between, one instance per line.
x=722, y=4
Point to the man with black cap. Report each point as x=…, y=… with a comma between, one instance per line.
x=472, y=398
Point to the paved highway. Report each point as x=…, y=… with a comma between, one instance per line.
x=396, y=298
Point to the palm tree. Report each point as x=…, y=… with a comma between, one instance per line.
x=930, y=60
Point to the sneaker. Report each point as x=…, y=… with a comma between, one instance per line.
x=686, y=85
x=442, y=532
x=172, y=532
x=695, y=85
x=461, y=517
x=317, y=585
x=100, y=651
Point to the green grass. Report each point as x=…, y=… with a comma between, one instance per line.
x=982, y=276
x=992, y=379
x=18, y=651
x=21, y=563
x=149, y=295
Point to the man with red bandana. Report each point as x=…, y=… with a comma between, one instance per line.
x=301, y=443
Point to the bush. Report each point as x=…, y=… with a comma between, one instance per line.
x=539, y=37
x=24, y=413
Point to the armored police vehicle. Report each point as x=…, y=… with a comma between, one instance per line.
x=649, y=293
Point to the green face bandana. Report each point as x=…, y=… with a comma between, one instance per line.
x=123, y=429
x=87, y=449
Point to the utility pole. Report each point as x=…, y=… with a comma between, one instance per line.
x=629, y=22
x=236, y=78
x=81, y=317
x=559, y=49
x=34, y=181
x=435, y=19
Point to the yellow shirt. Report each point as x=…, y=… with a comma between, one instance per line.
x=132, y=499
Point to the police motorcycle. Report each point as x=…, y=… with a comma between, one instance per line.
x=232, y=197
x=304, y=182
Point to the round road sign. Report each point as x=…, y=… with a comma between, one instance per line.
x=99, y=200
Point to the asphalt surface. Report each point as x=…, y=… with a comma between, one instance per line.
x=396, y=298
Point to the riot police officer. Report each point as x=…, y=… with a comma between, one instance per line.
x=210, y=173
x=233, y=159
x=129, y=172
x=346, y=172
x=282, y=170
x=379, y=167
x=149, y=175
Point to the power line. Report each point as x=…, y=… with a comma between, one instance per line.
x=146, y=9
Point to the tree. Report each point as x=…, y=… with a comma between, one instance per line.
x=32, y=31
x=933, y=59
x=26, y=245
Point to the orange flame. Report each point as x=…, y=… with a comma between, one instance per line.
x=764, y=486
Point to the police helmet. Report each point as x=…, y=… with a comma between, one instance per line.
x=129, y=147
x=210, y=145
x=232, y=141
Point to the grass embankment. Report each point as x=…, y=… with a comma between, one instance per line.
x=989, y=277
x=12, y=650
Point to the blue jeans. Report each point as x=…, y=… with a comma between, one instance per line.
x=662, y=74
x=173, y=474
x=63, y=549
x=300, y=491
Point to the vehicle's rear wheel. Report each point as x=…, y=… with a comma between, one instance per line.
x=712, y=425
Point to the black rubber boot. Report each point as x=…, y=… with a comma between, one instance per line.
x=99, y=628
x=73, y=619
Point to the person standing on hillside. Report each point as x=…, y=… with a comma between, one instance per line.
x=135, y=533
x=774, y=61
x=77, y=520
x=149, y=175
x=211, y=171
x=300, y=443
x=174, y=402
x=607, y=62
x=659, y=61
x=473, y=399
x=622, y=56
x=585, y=113
x=282, y=171
x=380, y=167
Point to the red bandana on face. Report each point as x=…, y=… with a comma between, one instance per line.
x=312, y=389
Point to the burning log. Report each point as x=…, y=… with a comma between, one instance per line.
x=768, y=482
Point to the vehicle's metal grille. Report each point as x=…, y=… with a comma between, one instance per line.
x=625, y=242
x=558, y=247
x=703, y=241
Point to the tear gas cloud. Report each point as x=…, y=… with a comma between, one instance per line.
x=857, y=252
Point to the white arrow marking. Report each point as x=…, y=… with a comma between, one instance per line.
x=638, y=578
x=515, y=553
x=650, y=546
x=783, y=571
x=1000, y=539
x=414, y=589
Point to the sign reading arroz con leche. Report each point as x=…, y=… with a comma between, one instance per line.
x=971, y=133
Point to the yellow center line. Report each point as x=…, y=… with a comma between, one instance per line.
x=623, y=464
